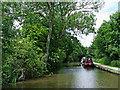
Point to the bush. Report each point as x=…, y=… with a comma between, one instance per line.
x=25, y=61
x=103, y=60
x=56, y=59
x=106, y=61
x=100, y=61
x=74, y=57
x=118, y=63
x=94, y=60
x=114, y=63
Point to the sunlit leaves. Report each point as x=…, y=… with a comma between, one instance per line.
x=37, y=34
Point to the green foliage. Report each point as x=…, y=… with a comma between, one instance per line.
x=56, y=59
x=118, y=63
x=113, y=63
x=37, y=34
x=103, y=60
x=23, y=57
x=77, y=53
x=106, y=43
x=24, y=50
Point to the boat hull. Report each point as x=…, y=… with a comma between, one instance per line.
x=88, y=65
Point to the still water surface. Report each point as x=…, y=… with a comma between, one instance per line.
x=73, y=77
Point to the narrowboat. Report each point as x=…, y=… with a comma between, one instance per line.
x=88, y=63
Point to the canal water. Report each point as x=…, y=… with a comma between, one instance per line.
x=73, y=77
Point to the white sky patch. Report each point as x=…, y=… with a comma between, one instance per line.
x=17, y=25
x=100, y=17
x=86, y=40
x=110, y=7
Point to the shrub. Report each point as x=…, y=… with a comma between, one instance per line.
x=56, y=59
x=103, y=60
x=114, y=63
x=94, y=60
x=100, y=61
x=25, y=61
x=118, y=63
x=106, y=60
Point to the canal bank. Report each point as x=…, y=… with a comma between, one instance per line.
x=114, y=70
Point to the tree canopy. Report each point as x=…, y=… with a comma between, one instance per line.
x=106, y=43
x=43, y=41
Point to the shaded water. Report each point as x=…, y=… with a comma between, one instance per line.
x=73, y=77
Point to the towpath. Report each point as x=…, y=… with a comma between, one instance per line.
x=108, y=68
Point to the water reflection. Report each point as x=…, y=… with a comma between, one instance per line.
x=85, y=79
x=74, y=77
x=89, y=77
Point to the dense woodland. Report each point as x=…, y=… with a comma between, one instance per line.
x=43, y=40
x=106, y=45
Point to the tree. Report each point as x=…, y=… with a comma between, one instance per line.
x=107, y=40
x=34, y=19
x=66, y=12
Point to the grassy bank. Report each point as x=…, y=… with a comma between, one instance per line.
x=106, y=61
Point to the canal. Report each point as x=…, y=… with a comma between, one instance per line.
x=73, y=77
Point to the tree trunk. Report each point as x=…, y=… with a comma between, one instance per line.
x=48, y=39
x=50, y=32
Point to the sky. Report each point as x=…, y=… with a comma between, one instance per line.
x=110, y=7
